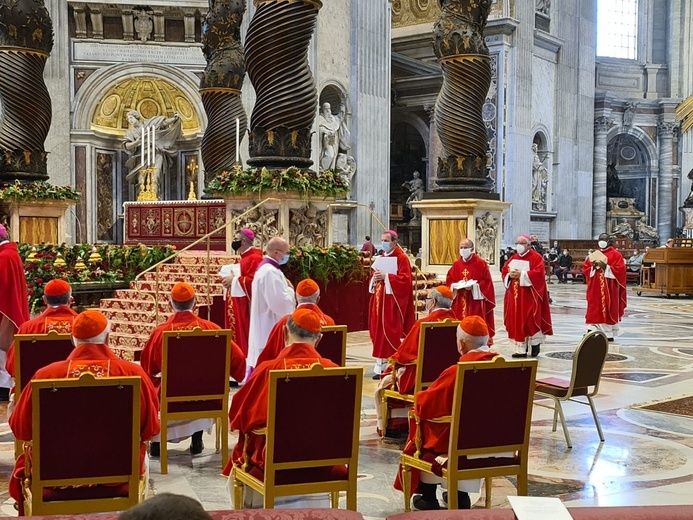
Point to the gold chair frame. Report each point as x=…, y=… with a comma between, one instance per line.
x=336, y=328
x=570, y=390
x=33, y=485
x=419, y=383
x=220, y=416
x=241, y=477
x=452, y=473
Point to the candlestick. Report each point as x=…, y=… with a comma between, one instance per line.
x=142, y=149
x=238, y=138
x=153, y=147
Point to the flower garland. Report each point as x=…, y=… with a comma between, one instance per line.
x=38, y=190
x=326, y=264
x=237, y=181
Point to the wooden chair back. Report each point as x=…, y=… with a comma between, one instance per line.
x=332, y=346
x=35, y=351
x=437, y=351
x=85, y=431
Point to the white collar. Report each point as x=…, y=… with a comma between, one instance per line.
x=4, y=242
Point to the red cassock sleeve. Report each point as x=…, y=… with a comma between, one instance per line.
x=238, y=363
x=275, y=342
x=14, y=302
x=150, y=359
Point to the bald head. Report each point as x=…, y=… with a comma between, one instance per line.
x=277, y=248
x=466, y=243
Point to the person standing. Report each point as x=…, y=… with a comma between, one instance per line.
x=239, y=288
x=606, y=289
x=565, y=261
x=273, y=297
x=527, y=315
x=391, y=307
x=368, y=247
x=478, y=299
x=14, y=304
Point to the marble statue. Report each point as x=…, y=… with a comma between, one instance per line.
x=623, y=229
x=543, y=6
x=416, y=191
x=613, y=183
x=540, y=181
x=328, y=129
x=688, y=203
x=629, y=114
x=645, y=232
x=345, y=166
x=168, y=130
x=486, y=233
x=144, y=25
x=344, y=133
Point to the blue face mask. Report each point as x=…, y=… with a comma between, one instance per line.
x=387, y=246
x=284, y=260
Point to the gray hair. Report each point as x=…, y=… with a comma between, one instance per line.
x=183, y=306
x=300, y=333
x=475, y=341
x=440, y=300
x=313, y=298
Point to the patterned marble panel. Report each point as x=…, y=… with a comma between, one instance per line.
x=444, y=237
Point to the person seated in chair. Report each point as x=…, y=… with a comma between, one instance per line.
x=90, y=332
x=436, y=402
x=439, y=307
x=307, y=297
x=58, y=316
x=184, y=318
x=565, y=262
x=248, y=411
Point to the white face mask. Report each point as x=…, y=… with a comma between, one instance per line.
x=565, y=253
x=602, y=244
x=521, y=248
x=387, y=246
x=465, y=252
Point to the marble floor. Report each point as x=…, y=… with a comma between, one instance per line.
x=647, y=457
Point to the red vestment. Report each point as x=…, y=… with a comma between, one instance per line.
x=14, y=303
x=433, y=403
x=238, y=307
x=277, y=341
x=58, y=319
x=99, y=360
x=391, y=316
x=186, y=320
x=526, y=308
x=249, y=405
x=606, y=297
x=408, y=351
x=464, y=303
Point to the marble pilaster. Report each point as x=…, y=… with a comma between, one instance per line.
x=601, y=128
x=665, y=196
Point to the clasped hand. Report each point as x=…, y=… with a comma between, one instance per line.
x=379, y=276
x=515, y=273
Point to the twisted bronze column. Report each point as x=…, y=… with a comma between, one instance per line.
x=221, y=84
x=26, y=40
x=463, y=55
x=277, y=59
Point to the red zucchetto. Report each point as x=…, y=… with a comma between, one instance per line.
x=182, y=292
x=307, y=320
x=56, y=287
x=474, y=326
x=307, y=287
x=89, y=324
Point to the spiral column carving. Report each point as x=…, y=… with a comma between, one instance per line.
x=464, y=58
x=220, y=87
x=26, y=40
x=277, y=59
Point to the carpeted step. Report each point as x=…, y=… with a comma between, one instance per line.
x=165, y=288
x=134, y=305
x=129, y=315
x=186, y=268
x=133, y=327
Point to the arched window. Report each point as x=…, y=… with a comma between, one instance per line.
x=617, y=29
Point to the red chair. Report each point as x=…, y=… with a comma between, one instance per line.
x=195, y=383
x=85, y=452
x=35, y=351
x=332, y=346
x=295, y=464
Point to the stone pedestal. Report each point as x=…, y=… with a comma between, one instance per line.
x=33, y=222
x=445, y=221
x=300, y=220
x=687, y=220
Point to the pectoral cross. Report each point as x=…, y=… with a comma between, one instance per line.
x=465, y=273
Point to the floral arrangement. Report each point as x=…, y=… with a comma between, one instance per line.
x=39, y=190
x=237, y=181
x=326, y=264
x=110, y=264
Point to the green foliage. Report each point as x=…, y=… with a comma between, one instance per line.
x=326, y=264
x=237, y=181
x=39, y=190
x=117, y=264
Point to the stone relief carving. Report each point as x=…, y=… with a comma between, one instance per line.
x=629, y=114
x=262, y=221
x=307, y=226
x=346, y=168
x=486, y=233
x=543, y=7
x=623, y=229
x=416, y=191
x=645, y=232
x=144, y=24
x=540, y=181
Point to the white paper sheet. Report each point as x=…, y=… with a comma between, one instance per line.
x=386, y=264
x=463, y=285
x=539, y=508
x=520, y=265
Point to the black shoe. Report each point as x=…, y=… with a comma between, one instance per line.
x=535, y=350
x=376, y=377
x=233, y=384
x=154, y=450
x=4, y=394
x=463, y=500
x=518, y=355
x=196, y=446
x=424, y=505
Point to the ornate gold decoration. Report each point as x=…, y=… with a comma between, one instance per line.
x=146, y=191
x=59, y=261
x=32, y=257
x=150, y=97
x=684, y=113
x=192, y=175
x=95, y=257
x=79, y=265
x=406, y=13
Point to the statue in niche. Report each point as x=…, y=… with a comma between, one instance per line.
x=328, y=131
x=486, y=233
x=688, y=203
x=416, y=191
x=167, y=131
x=629, y=114
x=543, y=7
x=540, y=180
x=623, y=229
x=344, y=133
x=613, y=183
x=346, y=168
x=645, y=232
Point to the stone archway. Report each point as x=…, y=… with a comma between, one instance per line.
x=630, y=158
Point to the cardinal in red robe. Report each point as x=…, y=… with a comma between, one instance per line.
x=248, y=411
x=527, y=315
x=606, y=289
x=90, y=334
x=403, y=362
x=478, y=299
x=435, y=403
x=183, y=303
x=391, y=309
x=14, y=303
x=307, y=297
x=239, y=288
x=58, y=317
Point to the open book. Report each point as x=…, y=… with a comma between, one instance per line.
x=520, y=265
x=598, y=256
